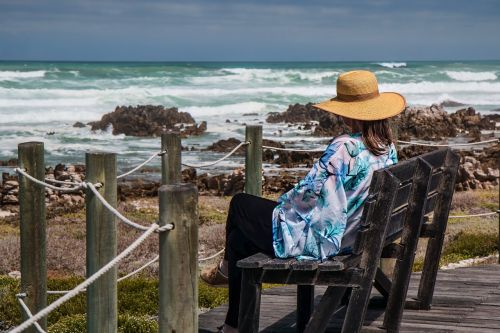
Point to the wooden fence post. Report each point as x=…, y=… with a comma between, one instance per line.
x=101, y=243
x=253, y=160
x=171, y=161
x=498, y=245
x=32, y=225
x=179, y=259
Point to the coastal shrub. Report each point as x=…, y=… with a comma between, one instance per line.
x=9, y=308
x=469, y=245
x=211, y=297
x=464, y=245
x=136, y=297
x=126, y=324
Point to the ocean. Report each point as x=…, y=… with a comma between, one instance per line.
x=42, y=100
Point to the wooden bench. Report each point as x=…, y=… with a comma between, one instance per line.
x=398, y=199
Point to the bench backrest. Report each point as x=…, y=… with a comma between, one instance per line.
x=412, y=175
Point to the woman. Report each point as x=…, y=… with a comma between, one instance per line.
x=318, y=218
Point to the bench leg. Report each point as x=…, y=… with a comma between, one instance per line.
x=305, y=305
x=248, y=318
x=328, y=304
x=356, y=309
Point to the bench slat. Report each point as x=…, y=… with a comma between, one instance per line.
x=404, y=170
x=279, y=264
x=435, y=158
x=403, y=195
x=305, y=265
x=255, y=261
x=431, y=203
x=435, y=181
x=396, y=223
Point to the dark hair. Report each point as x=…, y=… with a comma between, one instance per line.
x=377, y=135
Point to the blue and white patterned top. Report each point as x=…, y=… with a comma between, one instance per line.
x=320, y=216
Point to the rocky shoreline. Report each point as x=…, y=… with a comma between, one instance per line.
x=478, y=167
x=147, y=120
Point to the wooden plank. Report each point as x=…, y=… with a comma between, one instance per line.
x=178, y=249
x=431, y=203
x=33, y=230
x=395, y=226
x=102, y=299
x=440, y=218
x=403, y=170
x=436, y=179
x=435, y=158
x=279, y=264
x=171, y=161
x=253, y=160
x=256, y=261
x=403, y=195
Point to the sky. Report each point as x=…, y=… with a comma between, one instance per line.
x=243, y=30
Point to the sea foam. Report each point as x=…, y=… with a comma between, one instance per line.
x=471, y=76
x=392, y=64
x=15, y=75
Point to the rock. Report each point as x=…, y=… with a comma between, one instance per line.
x=148, y=121
x=15, y=275
x=79, y=125
x=226, y=145
x=325, y=123
x=10, y=162
x=10, y=199
x=450, y=103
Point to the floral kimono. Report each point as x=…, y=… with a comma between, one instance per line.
x=320, y=216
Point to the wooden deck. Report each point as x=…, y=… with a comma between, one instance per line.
x=465, y=300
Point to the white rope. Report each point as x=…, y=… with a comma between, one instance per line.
x=212, y=256
x=155, y=259
x=204, y=165
x=44, y=184
x=119, y=215
x=63, y=182
x=82, y=286
x=140, y=165
x=472, y=215
x=448, y=145
x=28, y=312
x=295, y=149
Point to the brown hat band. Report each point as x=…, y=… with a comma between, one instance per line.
x=354, y=98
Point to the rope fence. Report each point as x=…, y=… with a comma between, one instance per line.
x=253, y=185
x=47, y=185
x=141, y=165
x=204, y=165
x=473, y=215
x=83, y=286
x=28, y=312
x=449, y=145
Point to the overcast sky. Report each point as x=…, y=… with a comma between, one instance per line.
x=260, y=30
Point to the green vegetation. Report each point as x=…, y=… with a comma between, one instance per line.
x=126, y=324
x=136, y=297
x=465, y=245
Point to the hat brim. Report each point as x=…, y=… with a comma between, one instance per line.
x=385, y=105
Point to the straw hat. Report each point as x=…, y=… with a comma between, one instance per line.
x=358, y=98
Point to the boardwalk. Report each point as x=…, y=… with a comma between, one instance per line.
x=466, y=300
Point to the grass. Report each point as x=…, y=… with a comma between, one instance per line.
x=464, y=245
x=136, y=297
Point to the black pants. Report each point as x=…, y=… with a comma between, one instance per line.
x=248, y=231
